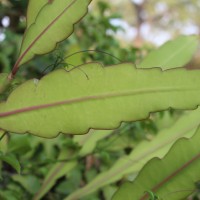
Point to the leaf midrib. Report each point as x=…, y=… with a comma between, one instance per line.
x=98, y=97
x=173, y=174
x=176, y=53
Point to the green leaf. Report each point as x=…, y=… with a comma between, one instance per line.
x=29, y=182
x=19, y=144
x=33, y=9
x=89, y=141
x=72, y=182
x=96, y=97
x=8, y=195
x=58, y=170
x=11, y=160
x=53, y=23
x=185, y=126
x=175, y=53
x=172, y=177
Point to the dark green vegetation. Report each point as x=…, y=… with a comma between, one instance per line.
x=94, y=165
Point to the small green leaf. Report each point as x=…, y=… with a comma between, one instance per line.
x=58, y=170
x=88, y=142
x=100, y=100
x=19, y=144
x=29, y=182
x=11, y=160
x=175, y=53
x=172, y=177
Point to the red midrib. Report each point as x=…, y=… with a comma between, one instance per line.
x=15, y=69
x=168, y=178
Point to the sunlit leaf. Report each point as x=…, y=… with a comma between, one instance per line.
x=96, y=97
x=33, y=9
x=174, y=53
x=172, y=177
x=53, y=23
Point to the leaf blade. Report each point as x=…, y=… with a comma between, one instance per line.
x=61, y=11
x=33, y=9
x=121, y=91
x=174, y=53
x=57, y=171
x=181, y=174
x=89, y=141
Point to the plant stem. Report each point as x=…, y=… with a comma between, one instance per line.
x=14, y=70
